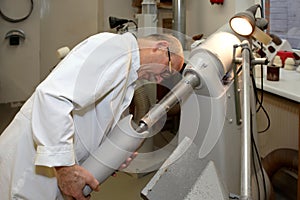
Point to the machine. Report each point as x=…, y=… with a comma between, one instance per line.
x=213, y=159
x=216, y=156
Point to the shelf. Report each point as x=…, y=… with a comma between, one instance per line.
x=166, y=5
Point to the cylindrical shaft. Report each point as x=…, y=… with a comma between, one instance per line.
x=182, y=90
x=179, y=19
x=246, y=133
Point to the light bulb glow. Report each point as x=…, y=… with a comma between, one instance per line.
x=241, y=26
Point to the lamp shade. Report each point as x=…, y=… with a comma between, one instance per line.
x=243, y=23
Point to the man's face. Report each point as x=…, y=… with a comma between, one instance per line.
x=157, y=73
x=159, y=68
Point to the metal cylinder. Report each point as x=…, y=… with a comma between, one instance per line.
x=179, y=19
x=149, y=7
x=122, y=141
x=246, y=132
x=182, y=90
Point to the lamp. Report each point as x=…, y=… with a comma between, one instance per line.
x=245, y=24
x=118, y=23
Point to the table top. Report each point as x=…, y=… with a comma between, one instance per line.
x=288, y=85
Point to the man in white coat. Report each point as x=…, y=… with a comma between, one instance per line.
x=67, y=116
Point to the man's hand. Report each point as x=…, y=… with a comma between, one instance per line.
x=128, y=161
x=72, y=179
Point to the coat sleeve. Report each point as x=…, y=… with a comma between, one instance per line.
x=86, y=75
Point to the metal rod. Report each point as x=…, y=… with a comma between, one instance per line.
x=182, y=90
x=237, y=99
x=179, y=19
x=246, y=134
x=179, y=15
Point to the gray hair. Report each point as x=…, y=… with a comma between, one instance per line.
x=175, y=45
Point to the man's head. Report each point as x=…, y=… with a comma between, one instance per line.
x=161, y=55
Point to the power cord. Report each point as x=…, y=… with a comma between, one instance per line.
x=254, y=146
x=260, y=103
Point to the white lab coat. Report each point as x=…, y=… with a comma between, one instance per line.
x=67, y=116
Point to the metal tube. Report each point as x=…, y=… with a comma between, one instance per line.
x=182, y=90
x=237, y=99
x=179, y=19
x=179, y=15
x=246, y=134
x=119, y=145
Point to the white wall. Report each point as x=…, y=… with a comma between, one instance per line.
x=204, y=18
x=63, y=24
x=52, y=24
x=116, y=8
x=19, y=65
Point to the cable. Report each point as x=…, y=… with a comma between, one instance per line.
x=253, y=161
x=136, y=26
x=262, y=86
x=258, y=159
x=253, y=140
x=6, y=18
x=260, y=102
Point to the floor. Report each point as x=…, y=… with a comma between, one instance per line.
x=123, y=186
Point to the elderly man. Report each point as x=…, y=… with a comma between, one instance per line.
x=72, y=110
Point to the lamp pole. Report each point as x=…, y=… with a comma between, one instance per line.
x=246, y=131
x=247, y=61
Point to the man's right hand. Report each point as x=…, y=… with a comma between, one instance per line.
x=72, y=179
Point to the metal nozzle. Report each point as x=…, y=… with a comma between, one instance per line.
x=142, y=127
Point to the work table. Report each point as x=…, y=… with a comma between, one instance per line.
x=288, y=85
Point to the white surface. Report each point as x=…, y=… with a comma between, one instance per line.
x=288, y=85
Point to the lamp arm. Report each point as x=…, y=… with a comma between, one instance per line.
x=253, y=9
